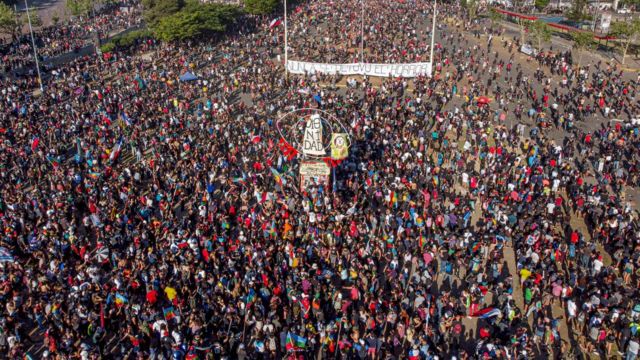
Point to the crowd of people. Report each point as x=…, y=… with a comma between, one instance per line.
x=480, y=213
x=394, y=32
x=69, y=35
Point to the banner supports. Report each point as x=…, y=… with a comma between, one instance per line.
x=362, y=35
x=286, y=41
x=433, y=31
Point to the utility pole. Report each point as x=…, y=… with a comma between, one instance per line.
x=33, y=42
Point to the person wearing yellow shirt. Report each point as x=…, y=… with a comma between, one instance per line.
x=524, y=275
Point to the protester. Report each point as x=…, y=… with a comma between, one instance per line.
x=142, y=217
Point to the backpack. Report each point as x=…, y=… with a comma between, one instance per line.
x=448, y=268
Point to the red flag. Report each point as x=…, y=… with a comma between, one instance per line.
x=275, y=23
x=34, y=143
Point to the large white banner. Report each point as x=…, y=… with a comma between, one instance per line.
x=384, y=70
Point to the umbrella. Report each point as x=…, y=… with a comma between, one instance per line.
x=188, y=76
x=483, y=100
x=102, y=255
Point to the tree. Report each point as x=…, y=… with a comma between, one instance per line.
x=627, y=31
x=541, y=4
x=79, y=7
x=156, y=10
x=540, y=31
x=630, y=3
x=55, y=18
x=8, y=22
x=195, y=20
x=495, y=17
x=523, y=24
x=36, y=20
x=583, y=41
x=260, y=7
x=472, y=8
x=578, y=12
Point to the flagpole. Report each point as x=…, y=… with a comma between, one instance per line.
x=433, y=32
x=286, y=40
x=33, y=42
x=338, y=339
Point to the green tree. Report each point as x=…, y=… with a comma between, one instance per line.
x=541, y=4
x=196, y=20
x=630, y=3
x=55, y=18
x=523, y=24
x=8, y=22
x=540, y=31
x=472, y=8
x=260, y=7
x=36, y=20
x=578, y=12
x=582, y=42
x=79, y=7
x=627, y=32
x=495, y=17
x=156, y=10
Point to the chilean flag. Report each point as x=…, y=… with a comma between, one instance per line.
x=414, y=354
x=275, y=23
x=486, y=313
x=115, y=152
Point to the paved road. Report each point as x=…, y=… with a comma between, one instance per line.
x=47, y=9
x=562, y=44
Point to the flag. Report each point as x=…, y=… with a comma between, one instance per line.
x=251, y=297
x=5, y=255
x=240, y=180
x=422, y=241
x=34, y=143
x=54, y=161
x=127, y=119
x=278, y=178
x=275, y=23
x=414, y=354
x=115, y=152
x=93, y=175
x=486, y=313
x=169, y=313
x=102, y=316
x=120, y=299
x=393, y=199
x=78, y=155
x=295, y=342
